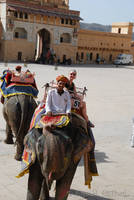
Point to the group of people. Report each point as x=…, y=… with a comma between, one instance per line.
x=59, y=99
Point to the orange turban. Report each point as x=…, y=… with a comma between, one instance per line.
x=18, y=67
x=62, y=78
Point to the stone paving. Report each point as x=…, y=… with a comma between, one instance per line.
x=110, y=105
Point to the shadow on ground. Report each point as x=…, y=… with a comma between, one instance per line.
x=86, y=195
x=2, y=130
x=100, y=157
x=2, y=134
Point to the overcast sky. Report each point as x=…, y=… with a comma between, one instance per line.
x=104, y=11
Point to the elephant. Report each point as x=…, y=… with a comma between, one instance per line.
x=17, y=112
x=58, y=152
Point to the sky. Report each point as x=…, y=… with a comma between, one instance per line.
x=104, y=11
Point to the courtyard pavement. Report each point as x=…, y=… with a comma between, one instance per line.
x=110, y=106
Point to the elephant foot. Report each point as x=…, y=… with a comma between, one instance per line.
x=19, y=152
x=9, y=141
x=18, y=157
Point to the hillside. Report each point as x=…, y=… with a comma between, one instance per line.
x=96, y=27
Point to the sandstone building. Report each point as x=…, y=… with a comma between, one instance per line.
x=106, y=45
x=28, y=28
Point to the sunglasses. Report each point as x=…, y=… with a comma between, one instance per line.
x=72, y=74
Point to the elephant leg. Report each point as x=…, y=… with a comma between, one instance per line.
x=19, y=145
x=35, y=181
x=9, y=135
x=19, y=151
x=63, y=185
x=44, y=191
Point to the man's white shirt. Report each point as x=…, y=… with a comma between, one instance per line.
x=57, y=103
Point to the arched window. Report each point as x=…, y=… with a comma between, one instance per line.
x=119, y=30
x=65, y=37
x=21, y=15
x=20, y=33
x=62, y=21
x=16, y=14
x=25, y=15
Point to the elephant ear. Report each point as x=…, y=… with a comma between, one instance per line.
x=30, y=142
x=29, y=153
x=79, y=121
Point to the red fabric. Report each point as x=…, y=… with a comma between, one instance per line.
x=52, y=119
x=8, y=78
x=25, y=155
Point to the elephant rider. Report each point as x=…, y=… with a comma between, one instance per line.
x=83, y=112
x=72, y=89
x=18, y=70
x=59, y=101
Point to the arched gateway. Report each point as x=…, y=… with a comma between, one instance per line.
x=42, y=44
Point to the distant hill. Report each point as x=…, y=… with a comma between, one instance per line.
x=95, y=27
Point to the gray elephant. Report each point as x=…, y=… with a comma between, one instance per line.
x=58, y=152
x=18, y=111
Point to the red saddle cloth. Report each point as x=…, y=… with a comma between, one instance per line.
x=52, y=119
x=58, y=120
x=24, y=77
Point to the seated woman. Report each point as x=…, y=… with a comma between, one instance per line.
x=72, y=89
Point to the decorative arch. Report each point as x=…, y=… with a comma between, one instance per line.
x=20, y=33
x=43, y=41
x=65, y=38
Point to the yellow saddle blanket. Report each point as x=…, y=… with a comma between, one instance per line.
x=59, y=121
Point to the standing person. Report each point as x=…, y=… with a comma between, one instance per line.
x=72, y=89
x=58, y=100
x=48, y=56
